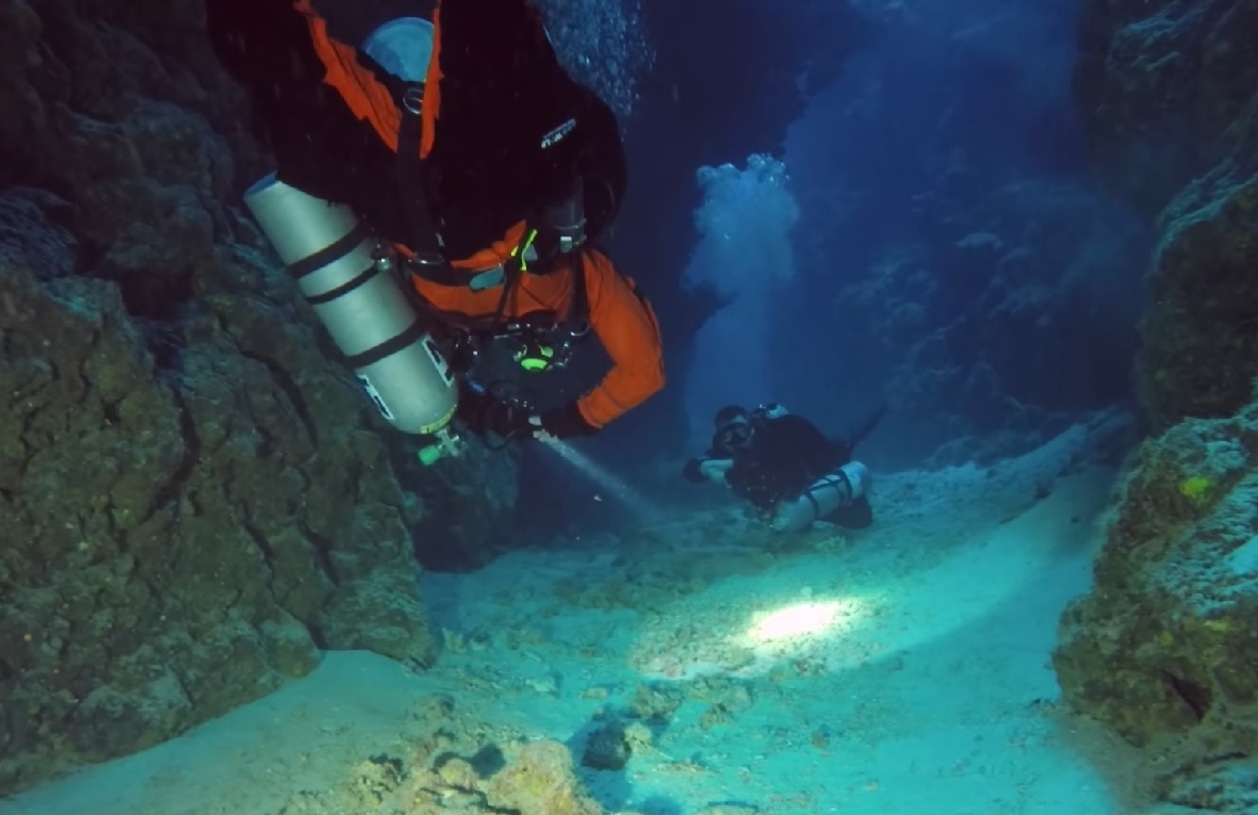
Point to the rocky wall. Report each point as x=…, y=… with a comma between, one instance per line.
x=1163, y=649
x=1008, y=318
x=197, y=499
x=1168, y=92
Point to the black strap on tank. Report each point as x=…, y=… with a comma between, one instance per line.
x=412, y=191
x=332, y=252
x=429, y=262
x=414, y=332
x=816, y=508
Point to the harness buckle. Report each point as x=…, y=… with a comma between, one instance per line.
x=427, y=258
x=413, y=99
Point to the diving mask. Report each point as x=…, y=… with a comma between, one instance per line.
x=735, y=435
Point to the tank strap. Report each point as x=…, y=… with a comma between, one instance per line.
x=429, y=261
x=411, y=184
x=412, y=187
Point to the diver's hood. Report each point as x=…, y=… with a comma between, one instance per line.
x=403, y=47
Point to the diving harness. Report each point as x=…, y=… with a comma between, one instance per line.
x=539, y=342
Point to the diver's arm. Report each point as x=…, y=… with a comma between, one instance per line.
x=625, y=324
x=698, y=470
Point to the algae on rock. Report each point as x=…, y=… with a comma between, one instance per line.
x=1166, y=645
x=1164, y=648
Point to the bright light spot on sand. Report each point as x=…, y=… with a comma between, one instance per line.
x=803, y=620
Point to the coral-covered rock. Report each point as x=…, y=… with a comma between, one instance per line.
x=197, y=496
x=964, y=328
x=1168, y=93
x=539, y=780
x=1199, y=354
x=449, y=761
x=1165, y=90
x=180, y=540
x=459, y=506
x=1166, y=642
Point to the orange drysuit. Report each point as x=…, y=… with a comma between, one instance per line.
x=622, y=320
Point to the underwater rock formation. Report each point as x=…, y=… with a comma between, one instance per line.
x=1199, y=333
x=1165, y=646
x=1165, y=90
x=1168, y=93
x=1163, y=649
x=454, y=763
x=949, y=254
x=963, y=327
x=197, y=500
x=1040, y=281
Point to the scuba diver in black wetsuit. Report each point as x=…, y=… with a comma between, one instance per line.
x=788, y=469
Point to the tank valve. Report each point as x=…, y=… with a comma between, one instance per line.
x=446, y=444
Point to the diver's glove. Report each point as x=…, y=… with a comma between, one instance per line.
x=511, y=420
x=482, y=413
x=564, y=422
x=693, y=471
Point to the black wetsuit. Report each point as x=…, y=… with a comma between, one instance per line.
x=786, y=455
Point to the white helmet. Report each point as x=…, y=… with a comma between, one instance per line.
x=403, y=47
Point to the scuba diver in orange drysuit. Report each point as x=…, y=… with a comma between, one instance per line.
x=485, y=178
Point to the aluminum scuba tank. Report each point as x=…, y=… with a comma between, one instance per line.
x=334, y=261
x=823, y=496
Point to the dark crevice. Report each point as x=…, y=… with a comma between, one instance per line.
x=264, y=545
x=84, y=380
x=488, y=761
x=156, y=297
x=322, y=552
x=164, y=340
x=1198, y=698
x=1223, y=758
x=353, y=479
x=157, y=304
x=266, y=440
x=185, y=685
x=169, y=492
x=287, y=384
x=317, y=636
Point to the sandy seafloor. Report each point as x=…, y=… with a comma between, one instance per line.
x=903, y=669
